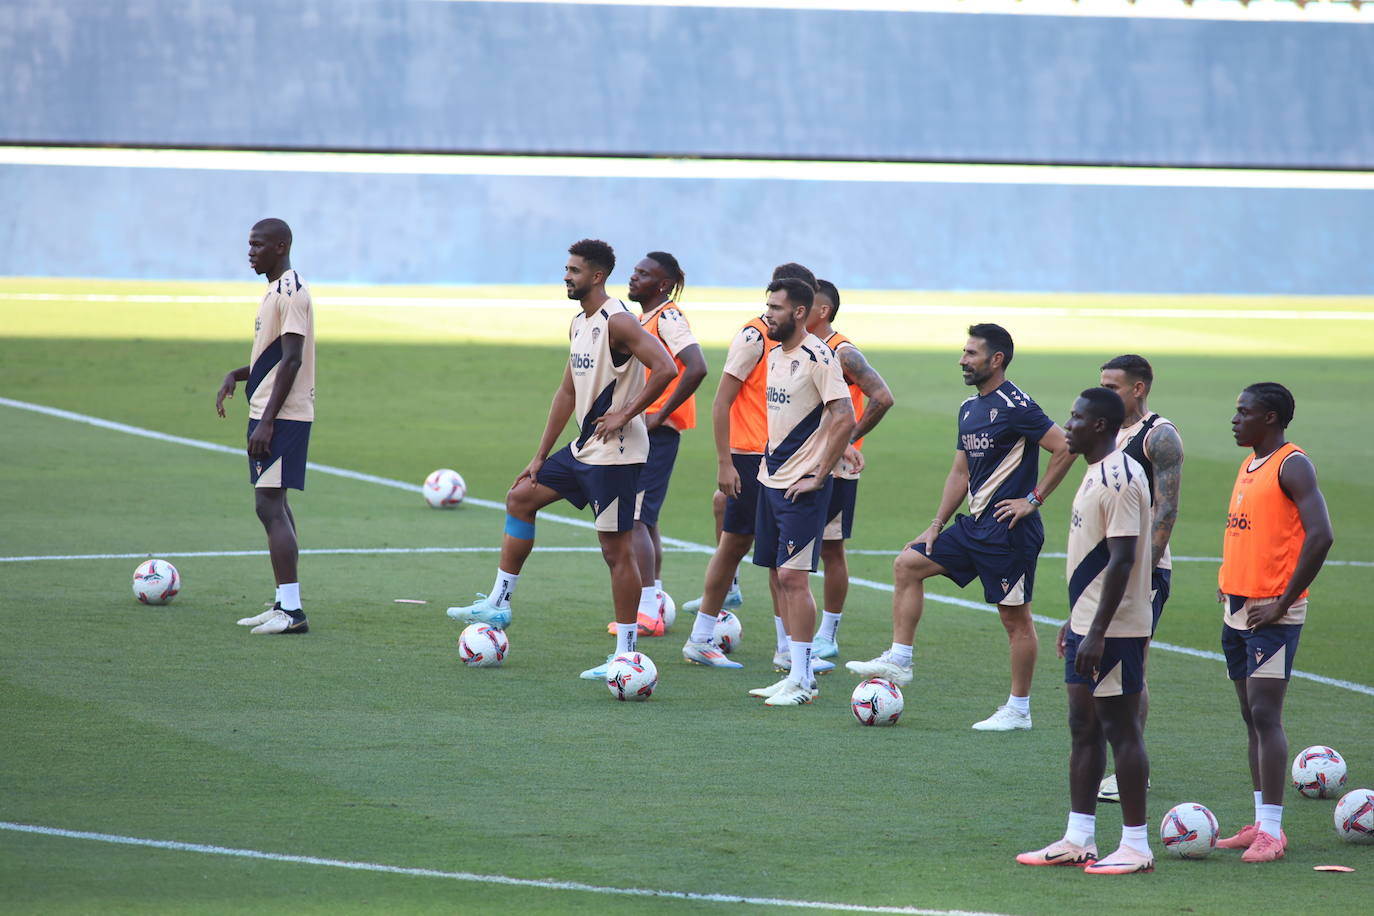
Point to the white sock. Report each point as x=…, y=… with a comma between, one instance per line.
x=278, y=600
x=503, y=588
x=290, y=596
x=830, y=625
x=625, y=634
x=782, y=633
x=1271, y=819
x=900, y=654
x=1135, y=838
x=1020, y=704
x=801, y=664
x=1259, y=803
x=1082, y=829
x=648, y=601
x=703, y=627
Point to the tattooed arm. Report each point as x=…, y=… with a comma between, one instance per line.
x=878, y=396
x=1165, y=450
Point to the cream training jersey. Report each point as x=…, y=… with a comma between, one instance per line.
x=605, y=381
x=1112, y=501
x=800, y=383
x=285, y=309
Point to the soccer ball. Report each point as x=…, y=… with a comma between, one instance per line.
x=1355, y=817
x=877, y=702
x=156, y=582
x=1189, y=831
x=631, y=676
x=445, y=489
x=726, y=633
x=482, y=646
x=668, y=607
x=1318, y=772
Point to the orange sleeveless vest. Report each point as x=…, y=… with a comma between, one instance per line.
x=749, y=413
x=1264, y=532
x=685, y=417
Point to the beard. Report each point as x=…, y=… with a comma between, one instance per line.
x=783, y=331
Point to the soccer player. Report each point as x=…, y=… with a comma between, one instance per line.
x=739, y=421
x=864, y=383
x=999, y=540
x=1277, y=537
x=656, y=284
x=1103, y=641
x=605, y=389
x=810, y=420
x=1154, y=443
x=280, y=378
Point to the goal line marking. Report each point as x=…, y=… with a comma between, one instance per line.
x=543, y=884
x=582, y=523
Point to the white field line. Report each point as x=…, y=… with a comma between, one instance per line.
x=925, y=310
x=1256, y=11
x=472, y=877
x=582, y=523
x=672, y=547
x=1061, y=556
x=665, y=168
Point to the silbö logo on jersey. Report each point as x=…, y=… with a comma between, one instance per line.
x=976, y=443
x=583, y=362
x=777, y=397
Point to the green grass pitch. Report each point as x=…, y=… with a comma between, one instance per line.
x=368, y=742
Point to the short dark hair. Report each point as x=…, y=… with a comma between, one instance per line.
x=1136, y=367
x=275, y=229
x=1275, y=397
x=596, y=253
x=672, y=269
x=794, y=271
x=798, y=292
x=997, y=339
x=829, y=291
x=1105, y=404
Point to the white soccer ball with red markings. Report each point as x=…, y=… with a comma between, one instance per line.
x=482, y=646
x=727, y=632
x=1354, y=817
x=877, y=701
x=445, y=489
x=668, y=608
x=1319, y=772
x=631, y=676
x=156, y=582
x=1189, y=831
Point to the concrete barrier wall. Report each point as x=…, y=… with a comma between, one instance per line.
x=192, y=224
x=417, y=74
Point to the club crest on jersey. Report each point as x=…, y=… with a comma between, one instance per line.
x=992, y=415
x=796, y=364
x=596, y=332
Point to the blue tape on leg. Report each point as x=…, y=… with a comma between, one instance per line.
x=519, y=528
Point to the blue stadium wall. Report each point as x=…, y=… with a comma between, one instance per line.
x=482, y=77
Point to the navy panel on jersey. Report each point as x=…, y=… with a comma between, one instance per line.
x=999, y=434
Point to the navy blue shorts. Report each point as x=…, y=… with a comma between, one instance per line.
x=285, y=466
x=612, y=489
x=1160, y=582
x=1121, y=671
x=1003, y=558
x=839, y=518
x=1263, y=652
x=653, y=483
x=787, y=533
x=741, y=511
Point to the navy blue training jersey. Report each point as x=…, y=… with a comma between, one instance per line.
x=1000, y=432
